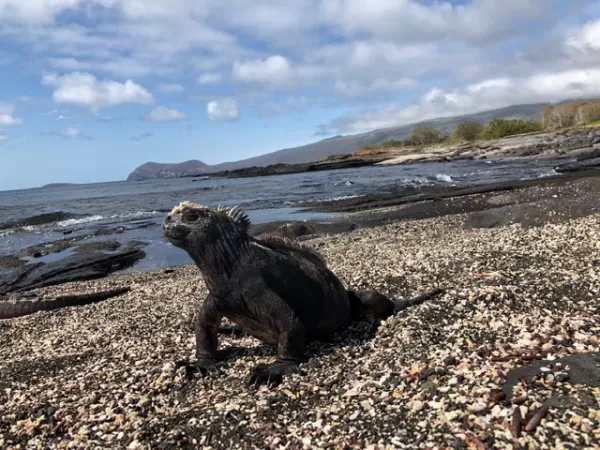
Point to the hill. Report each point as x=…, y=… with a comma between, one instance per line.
x=159, y=170
x=338, y=145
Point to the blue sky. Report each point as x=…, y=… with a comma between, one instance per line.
x=90, y=89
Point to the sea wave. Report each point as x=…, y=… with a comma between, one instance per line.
x=65, y=220
x=335, y=199
x=444, y=177
x=344, y=183
x=550, y=173
x=39, y=219
x=140, y=214
x=7, y=232
x=74, y=222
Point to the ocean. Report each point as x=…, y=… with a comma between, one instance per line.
x=136, y=209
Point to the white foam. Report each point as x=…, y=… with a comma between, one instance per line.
x=444, y=177
x=137, y=214
x=72, y=222
x=343, y=197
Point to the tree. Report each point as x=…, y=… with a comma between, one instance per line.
x=499, y=128
x=467, y=131
x=425, y=135
x=570, y=114
x=590, y=112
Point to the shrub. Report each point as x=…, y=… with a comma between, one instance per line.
x=499, y=128
x=425, y=135
x=467, y=131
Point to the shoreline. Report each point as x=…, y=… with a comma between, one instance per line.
x=528, y=202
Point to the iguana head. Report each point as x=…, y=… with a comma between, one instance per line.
x=195, y=227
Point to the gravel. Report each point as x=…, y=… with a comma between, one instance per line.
x=496, y=362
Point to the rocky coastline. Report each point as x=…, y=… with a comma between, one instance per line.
x=581, y=143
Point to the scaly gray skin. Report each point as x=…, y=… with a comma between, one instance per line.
x=277, y=290
x=18, y=308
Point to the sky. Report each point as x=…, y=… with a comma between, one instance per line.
x=91, y=89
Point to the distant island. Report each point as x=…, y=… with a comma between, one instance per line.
x=433, y=140
x=57, y=185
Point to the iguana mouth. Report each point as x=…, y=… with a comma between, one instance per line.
x=175, y=232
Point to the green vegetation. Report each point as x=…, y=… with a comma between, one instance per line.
x=499, y=128
x=425, y=136
x=419, y=136
x=565, y=115
x=467, y=131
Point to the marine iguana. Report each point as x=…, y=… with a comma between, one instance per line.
x=279, y=291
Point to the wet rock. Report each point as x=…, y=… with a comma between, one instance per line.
x=584, y=370
x=587, y=164
x=98, y=246
x=11, y=262
x=295, y=230
x=85, y=266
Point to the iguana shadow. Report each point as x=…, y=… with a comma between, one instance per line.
x=358, y=333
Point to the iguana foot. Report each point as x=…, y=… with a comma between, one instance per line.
x=203, y=366
x=272, y=374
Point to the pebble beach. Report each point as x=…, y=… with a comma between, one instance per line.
x=508, y=357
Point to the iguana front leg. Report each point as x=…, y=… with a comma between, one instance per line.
x=206, y=329
x=290, y=351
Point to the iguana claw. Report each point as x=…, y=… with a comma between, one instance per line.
x=203, y=366
x=272, y=374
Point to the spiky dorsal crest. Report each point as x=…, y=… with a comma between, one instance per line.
x=235, y=213
x=238, y=215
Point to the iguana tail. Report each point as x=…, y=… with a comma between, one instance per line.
x=400, y=305
x=18, y=308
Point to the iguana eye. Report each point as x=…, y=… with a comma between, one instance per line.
x=190, y=216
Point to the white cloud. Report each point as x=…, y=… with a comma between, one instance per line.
x=209, y=78
x=224, y=109
x=7, y=115
x=169, y=88
x=142, y=137
x=344, y=52
x=83, y=89
x=163, y=114
x=353, y=88
x=275, y=69
x=36, y=11
x=412, y=20
x=485, y=95
x=586, y=38
x=70, y=133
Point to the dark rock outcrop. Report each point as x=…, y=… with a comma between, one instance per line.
x=39, y=219
x=299, y=230
x=22, y=307
x=585, y=164
x=77, y=267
